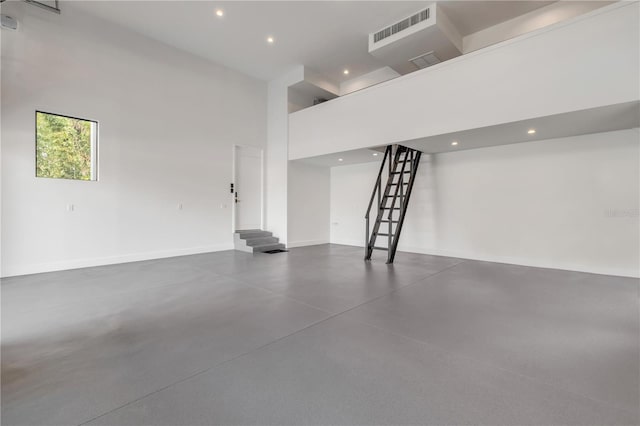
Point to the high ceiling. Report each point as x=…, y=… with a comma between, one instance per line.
x=326, y=36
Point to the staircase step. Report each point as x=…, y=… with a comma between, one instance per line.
x=253, y=234
x=261, y=241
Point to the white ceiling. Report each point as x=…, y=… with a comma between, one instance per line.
x=596, y=120
x=326, y=36
x=472, y=16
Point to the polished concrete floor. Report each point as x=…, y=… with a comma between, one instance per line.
x=317, y=336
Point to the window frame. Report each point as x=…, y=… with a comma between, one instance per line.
x=94, y=145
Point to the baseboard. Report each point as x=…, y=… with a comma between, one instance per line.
x=15, y=270
x=293, y=244
x=620, y=272
x=348, y=243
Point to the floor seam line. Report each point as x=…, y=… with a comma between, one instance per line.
x=275, y=293
x=253, y=350
x=211, y=368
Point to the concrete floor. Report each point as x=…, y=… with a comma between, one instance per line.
x=317, y=336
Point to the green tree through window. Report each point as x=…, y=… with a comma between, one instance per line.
x=65, y=147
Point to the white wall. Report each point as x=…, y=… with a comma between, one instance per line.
x=568, y=203
x=297, y=194
x=588, y=62
x=278, y=152
x=367, y=80
x=308, y=204
x=168, y=121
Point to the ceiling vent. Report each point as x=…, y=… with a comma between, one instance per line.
x=402, y=44
x=401, y=25
x=425, y=61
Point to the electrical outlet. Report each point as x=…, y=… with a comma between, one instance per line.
x=70, y=207
x=179, y=206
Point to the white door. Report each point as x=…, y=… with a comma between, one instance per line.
x=248, y=188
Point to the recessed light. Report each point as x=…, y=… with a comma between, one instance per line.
x=454, y=143
x=270, y=39
x=375, y=154
x=339, y=159
x=345, y=72
x=531, y=131
x=220, y=13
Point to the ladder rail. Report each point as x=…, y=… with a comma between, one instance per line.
x=403, y=212
x=391, y=208
x=377, y=189
x=397, y=163
x=376, y=226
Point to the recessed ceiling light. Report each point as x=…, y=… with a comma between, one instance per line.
x=345, y=72
x=270, y=39
x=339, y=159
x=531, y=131
x=220, y=13
x=454, y=143
x=375, y=154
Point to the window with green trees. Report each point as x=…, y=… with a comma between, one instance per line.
x=66, y=147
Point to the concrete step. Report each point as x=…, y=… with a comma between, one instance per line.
x=253, y=234
x=256, y=241
x=261, y=241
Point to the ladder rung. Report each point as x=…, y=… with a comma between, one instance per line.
x=397, y=173
x=383, y=235
x=393, y=221
x=389, y=208
x=391, y=196
x=395, y=183
x=380, y=248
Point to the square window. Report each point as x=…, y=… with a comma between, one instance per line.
x=66, y=147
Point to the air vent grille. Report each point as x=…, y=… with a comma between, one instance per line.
x=401, y=26
x=425, y=60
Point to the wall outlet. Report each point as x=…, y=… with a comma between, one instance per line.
x=179, y=206
x=70, y=207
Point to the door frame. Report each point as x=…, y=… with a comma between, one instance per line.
x=234, y=170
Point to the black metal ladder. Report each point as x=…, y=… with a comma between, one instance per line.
x=402, y=164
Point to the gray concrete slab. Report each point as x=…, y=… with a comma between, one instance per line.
x=318, y=336
x=68, y=363
x=577, y=331
x=341, y=372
